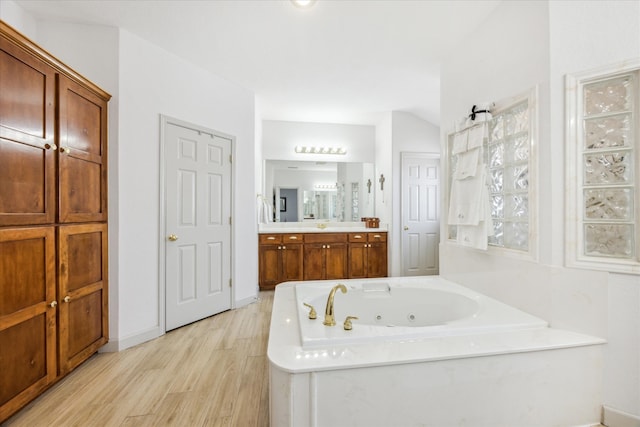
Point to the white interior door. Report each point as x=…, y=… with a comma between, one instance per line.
x=420, y=213
x=197, y=223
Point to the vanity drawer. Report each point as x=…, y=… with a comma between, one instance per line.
x=270, y=239
x=325, y=237
x=292, y=238
x=357, y=237
x=367, y=237
x=281, y=238
x=377, y=237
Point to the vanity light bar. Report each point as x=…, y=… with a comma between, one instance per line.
x=325, y=186
x=320, y=150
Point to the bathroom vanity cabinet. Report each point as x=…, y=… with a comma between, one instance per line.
x=53, y=220
x=280, y=259
x=325, y=256
x=320, y=255
x=367, y=255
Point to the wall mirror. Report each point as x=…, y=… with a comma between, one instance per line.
x=319, y=190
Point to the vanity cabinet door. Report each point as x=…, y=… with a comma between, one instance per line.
x=336, y=255
x=291, y=262
x=367, y=255
x=269, y=259
x=314, y=261
x=358, y=254
x=377, y=260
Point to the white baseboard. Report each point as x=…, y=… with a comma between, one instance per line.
x=130, y=341
x=616, y=418
x=153, y=333
x=246, y=301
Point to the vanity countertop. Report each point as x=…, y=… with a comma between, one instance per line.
x=318, y=227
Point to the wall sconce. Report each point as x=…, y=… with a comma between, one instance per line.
x=320, y=150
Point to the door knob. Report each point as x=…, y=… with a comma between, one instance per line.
x=173, y=237
x=406, y=228
x=67, y=298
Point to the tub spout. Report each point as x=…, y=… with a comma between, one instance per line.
x=329, y=319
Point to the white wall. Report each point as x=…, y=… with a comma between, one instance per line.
x=409, y=134
x=146, y=81
x=18, y=18
x=384, y=166
x=533, y=44
x=279, y=140
x=587, y=35
x=153, y=82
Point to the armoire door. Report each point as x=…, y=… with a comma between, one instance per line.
x=27, y=315
x=82, y=157
x=27, y=149
x=82, y=290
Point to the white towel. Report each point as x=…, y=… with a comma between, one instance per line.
x=470, y=210
x=460, y=142
x=475, y=236
x=467, y=165
x=264, y=210
x=465, y=203
x=476, y=136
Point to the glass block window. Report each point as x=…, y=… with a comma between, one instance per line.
x=355, y=201
x=603, y=159
x=507, y=151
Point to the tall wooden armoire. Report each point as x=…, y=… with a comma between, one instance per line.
x=53, y=220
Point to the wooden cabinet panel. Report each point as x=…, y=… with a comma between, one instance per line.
x=336, y=261
x=27, y=85
x=82, y=154
x=377, y=260
x=27, y=319
x=270, y=266
x=291, y=262
x=27, y=149
x=321, y=256
x=82, y=288
x=53, y=170
x=358, y=260
x=367, y=255
x=313, y=264
x=325, y=261
x=280, y=259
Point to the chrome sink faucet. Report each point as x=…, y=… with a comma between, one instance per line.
x=329, y=319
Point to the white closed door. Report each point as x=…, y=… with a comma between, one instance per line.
x=197, y=234
x=420, y=213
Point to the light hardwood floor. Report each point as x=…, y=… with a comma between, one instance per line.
x=211, y=373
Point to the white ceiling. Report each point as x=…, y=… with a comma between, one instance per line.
x=341, y=61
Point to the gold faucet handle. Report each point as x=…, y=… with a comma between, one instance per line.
x=347, y=322
x=312, y=312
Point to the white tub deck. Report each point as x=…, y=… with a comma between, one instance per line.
x=553, y=374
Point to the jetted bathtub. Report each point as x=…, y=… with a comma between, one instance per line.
x=411, y=308
x=424, y=351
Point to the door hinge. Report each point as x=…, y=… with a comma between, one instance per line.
x=230, y=282
x=230, y=158
x=230, y=221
